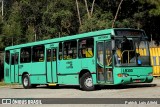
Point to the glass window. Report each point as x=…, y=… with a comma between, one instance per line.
x=48, y=55
x=70, y=50
x=53, y=53
x=7, y=56
x=25, y=56
x=132, y=52
x=38, y=53
x=16, y=58
x=12, y=59
x=108, y=53
x=86, y=48
x=60, y=51
x=125, y=52
x=142, y=53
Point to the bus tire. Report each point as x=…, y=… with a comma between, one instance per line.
x=86, y=82
x=26, y=81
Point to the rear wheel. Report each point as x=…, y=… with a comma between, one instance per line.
x=26, y=81
x=86, y=82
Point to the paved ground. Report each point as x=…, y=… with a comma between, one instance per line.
x=151, y=90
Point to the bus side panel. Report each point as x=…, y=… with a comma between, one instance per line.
x=20, y=79
x=69, y=66
x=35, y=70
x=94, y=78
x=116, y=71
x=38, y=68
x=38, y=73
x=7, y=73
x=24, y=68
x=68, y=79
x=38, y=79
x=67, y=69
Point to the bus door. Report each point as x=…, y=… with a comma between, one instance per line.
x=104, y=61
x=51, y=60
x=14, y=67
x=7, y=75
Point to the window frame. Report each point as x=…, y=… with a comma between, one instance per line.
x=93, y=48
x=38, y=53
x=7, y=59
x=72, y=49
x=30, y=54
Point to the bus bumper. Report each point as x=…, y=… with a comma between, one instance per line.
x=133, y=79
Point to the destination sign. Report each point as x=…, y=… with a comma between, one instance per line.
x=128, y=33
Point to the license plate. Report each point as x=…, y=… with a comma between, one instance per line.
x=138, y=81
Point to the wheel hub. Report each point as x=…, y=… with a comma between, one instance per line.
x=25, y=81
x=88, y=82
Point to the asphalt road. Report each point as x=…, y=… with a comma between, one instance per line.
x=149, y=90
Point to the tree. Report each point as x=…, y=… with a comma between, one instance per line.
x=12, y=27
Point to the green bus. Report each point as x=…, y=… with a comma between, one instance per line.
x=104, y=57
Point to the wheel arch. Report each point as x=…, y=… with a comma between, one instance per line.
x=83, y=71
x=25, y=73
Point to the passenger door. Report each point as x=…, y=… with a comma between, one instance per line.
x=51, y=64
x=104, y=61
x=14, y=67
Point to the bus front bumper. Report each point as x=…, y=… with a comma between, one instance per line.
x=133, y=79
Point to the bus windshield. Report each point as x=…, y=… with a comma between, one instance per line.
x=131, y=52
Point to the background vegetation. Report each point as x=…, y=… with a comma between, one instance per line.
x=29, y=20
x=25, y=21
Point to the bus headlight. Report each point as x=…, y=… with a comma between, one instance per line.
x=150, y=74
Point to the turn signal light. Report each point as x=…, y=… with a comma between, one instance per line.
x=120, y=75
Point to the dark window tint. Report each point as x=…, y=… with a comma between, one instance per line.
x=38, y=53
x=70, y=50
x=60, y=51
x=49, y=55
x=53, y=53
x=14, y=59
x=7, y=56
x=86, y=48
x=25, y=55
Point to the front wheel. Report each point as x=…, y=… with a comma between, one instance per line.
x=26, y=81
x=86, y=82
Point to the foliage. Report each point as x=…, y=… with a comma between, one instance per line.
x=29, y=20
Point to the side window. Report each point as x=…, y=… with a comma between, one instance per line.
x=16, y=58
x=86, y=48
x=70, y=50
x=60, y=51
x=38, y=53
x=25, y=56
x=7, y=56
x=12, y=59
x=48, y=55
x=53, y=53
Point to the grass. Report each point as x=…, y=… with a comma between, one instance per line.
x=2, y=83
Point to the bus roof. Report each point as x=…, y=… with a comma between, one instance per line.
x=71, y=37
